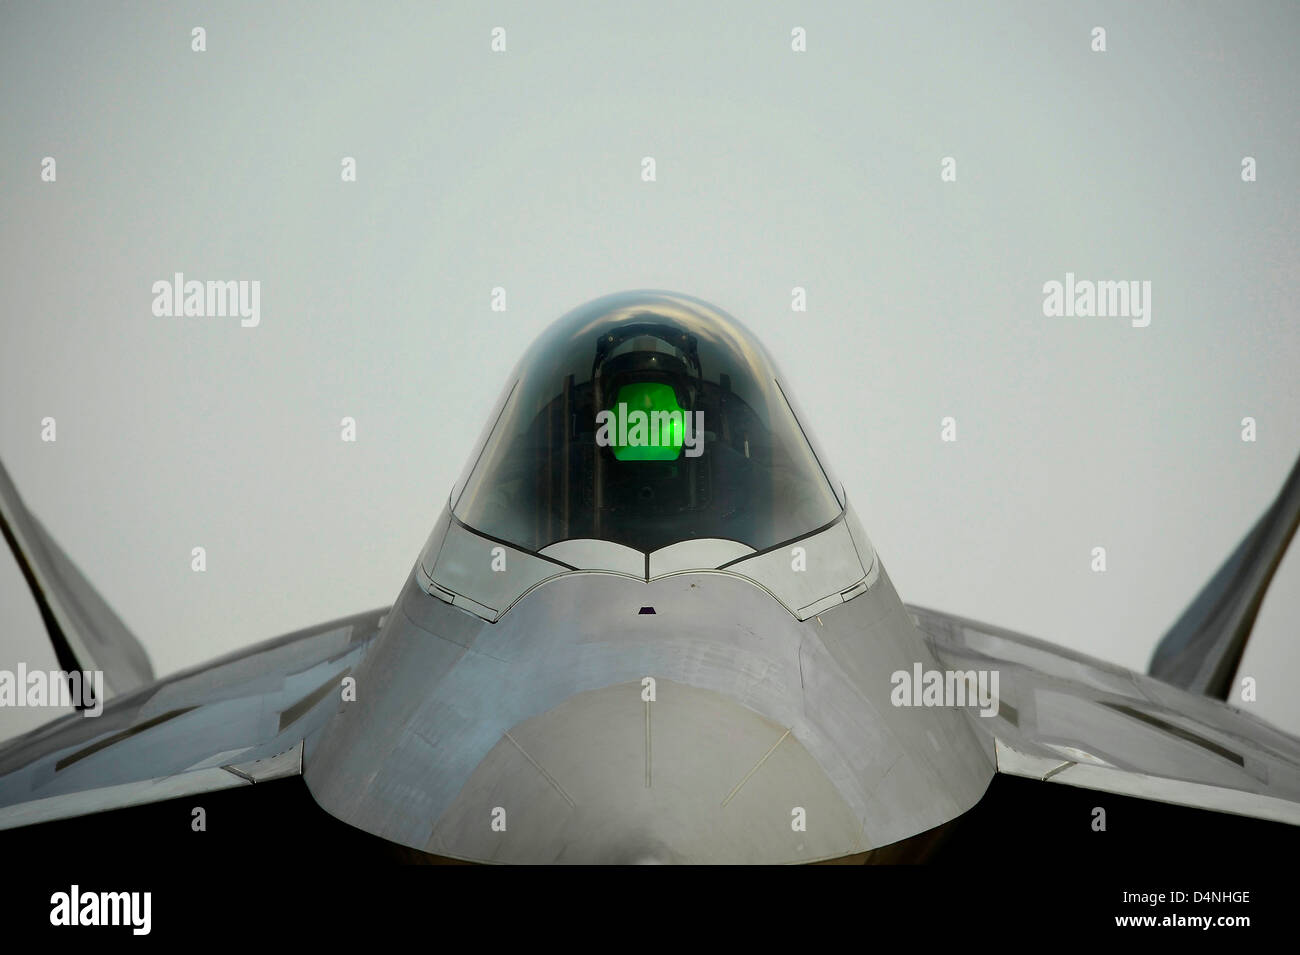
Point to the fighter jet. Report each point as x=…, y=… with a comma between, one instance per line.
x=649, y=627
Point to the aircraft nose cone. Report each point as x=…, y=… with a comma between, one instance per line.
x=609, y=777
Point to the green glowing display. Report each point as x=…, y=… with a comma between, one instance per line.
x=646, y=423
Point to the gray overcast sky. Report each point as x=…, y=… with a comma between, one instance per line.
x=775, y=169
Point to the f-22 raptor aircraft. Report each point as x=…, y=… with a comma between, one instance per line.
x=649, y=627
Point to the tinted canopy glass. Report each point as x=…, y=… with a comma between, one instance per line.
x=646, y=418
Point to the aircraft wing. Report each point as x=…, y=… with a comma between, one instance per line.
x=1064, y=717
x=235, y=722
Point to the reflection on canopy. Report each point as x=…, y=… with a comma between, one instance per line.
x=542, y=476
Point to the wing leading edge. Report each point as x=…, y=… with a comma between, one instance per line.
x=1169, y=736
x=1065, y=717
x=240, y=720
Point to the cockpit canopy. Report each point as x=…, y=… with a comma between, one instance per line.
x=644, y=419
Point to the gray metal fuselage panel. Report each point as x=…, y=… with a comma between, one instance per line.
x=541, y=715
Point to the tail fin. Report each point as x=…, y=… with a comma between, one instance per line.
x=86, y=633
x=1202, y=649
